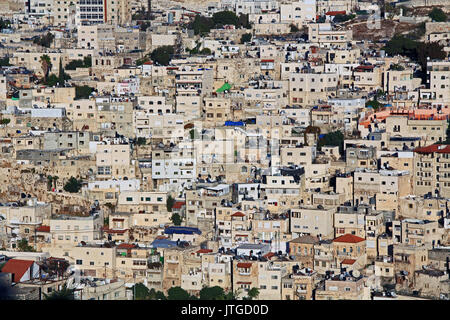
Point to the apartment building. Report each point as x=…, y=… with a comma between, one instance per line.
x=417, y=232
x=308, y=89
x=349, y=249
x=68, y=230
x=430, y=166
x=113, y=161
x=95, y=260
x=323, y=34
x=299, y=285
x=142, y=201
x=173, y=167
x=313, y=221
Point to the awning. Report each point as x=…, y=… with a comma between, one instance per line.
x=226, y=86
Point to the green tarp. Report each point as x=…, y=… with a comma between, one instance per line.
x=226, y=86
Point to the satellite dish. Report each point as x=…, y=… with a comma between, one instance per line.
x=356, y=273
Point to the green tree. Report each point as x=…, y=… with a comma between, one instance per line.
x=87, y=62
x=4, y=62
x=222, y=18
x=61, y=77
x=244, y=21
x=230, y=295
x=73, y=185
x=140, y=62
x=4, y=24
x=246, y=37
x=438, y=15
x=63, y=294
x=162, y=55
x=177, y=293
x=339, y=18
x=74, y=64
x=396, y=67
x=144, y=26
x=205, y=51
x=374, y=104
x=83, y=92
x=52, y=80
x=253, y=293
x=193, y=133
x=46, y=65
x=212, y=293
x=156, y=295
x=335, y=138
x=294, y=28
x=418, y=32
x=401, y=45
x=78, y=63
x=49, y=183
x=141, y=292
x=45, y=40
x=169, y=203
x=176, y=219
x=201, y=25
x=432, y=50
x=23, y=246
x=141, y=141
x=5, y=121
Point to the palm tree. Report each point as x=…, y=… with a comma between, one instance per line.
x=46, y=65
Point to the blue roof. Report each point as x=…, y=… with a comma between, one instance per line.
x=163, y=243
x=181, y=230
x=233, y=123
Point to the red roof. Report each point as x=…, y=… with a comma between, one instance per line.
x=115, y=231
x=178, y=204
x=269, y=255
x=244, y=265
x=126, y=246
x=243, y=282
x=334, y=13
x=238, y=214
x=363, y=68
x=43, y=229
x=117, y=219
x=348, y=261
x=17, y=267
x=148, y=62
x=267, y=60
x=349, y=238
x=204, y=251
x=435, y=148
